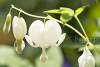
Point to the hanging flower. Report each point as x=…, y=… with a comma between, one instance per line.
x=86, y=59
x=45, y=35
x=7, y=25
x=19, y=31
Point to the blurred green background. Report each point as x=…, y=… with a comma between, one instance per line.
x=64, y=56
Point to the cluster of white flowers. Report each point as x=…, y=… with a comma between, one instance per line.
x=40, y=34
x=44, y=35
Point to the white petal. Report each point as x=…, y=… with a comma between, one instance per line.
x=19, y=46
x=23, y=45
x=86, y=59
x=61, y=39
x=29, y=40
x=36, y=32
x=52, y=32
x=43, y=56
x=19, y=27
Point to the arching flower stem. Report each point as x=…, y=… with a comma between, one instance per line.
x=69, y=26
x=81, y=26
x=12, y=6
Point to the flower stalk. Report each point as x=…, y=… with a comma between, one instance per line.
x=85, y=37
x=79, y=22
x=20, y=10
x=69, y=26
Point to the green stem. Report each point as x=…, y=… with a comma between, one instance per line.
x=12, y=6
x=69, y=26
x=10, y=10
x=86, y=37
x=79, y=22
x=19, y=13
x=75, y=30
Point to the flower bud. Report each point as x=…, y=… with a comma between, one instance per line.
x=7, y=24
x=86, y=59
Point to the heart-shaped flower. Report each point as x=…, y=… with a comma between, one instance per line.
x=44, y=35
x=86, y=59
x=19, y=28
x=19, y=31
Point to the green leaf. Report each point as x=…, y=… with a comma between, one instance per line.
x=79, y=10
x=68, y=11
x=62, y=10
x=65, y=18
x=66, y=14
x=55, y=11
x=55, y=58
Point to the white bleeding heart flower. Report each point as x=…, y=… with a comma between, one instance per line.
x=86, y=59
x=44, y=35
x=19, y=31
x=19, y=28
